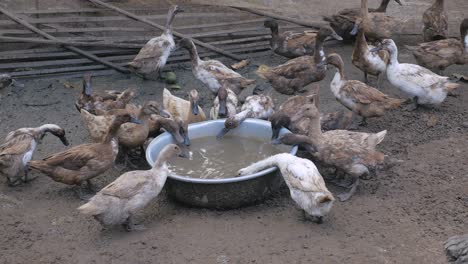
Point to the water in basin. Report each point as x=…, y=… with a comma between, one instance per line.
x=212, y=158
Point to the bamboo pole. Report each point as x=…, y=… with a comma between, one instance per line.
x=148, y=22
x=90, y=56
x=72, y=43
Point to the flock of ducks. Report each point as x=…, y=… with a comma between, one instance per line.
x=119, y=127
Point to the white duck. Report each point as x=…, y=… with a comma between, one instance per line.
x=116, y=203
x=189, y=111
x=19, y=146
x=426, y=87
x=255, y=106
x=153, y=56
x=224, y=104
x=306, y=185
x=213, y=73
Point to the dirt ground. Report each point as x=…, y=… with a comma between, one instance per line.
x=402, y=216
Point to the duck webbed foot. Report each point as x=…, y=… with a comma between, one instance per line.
x=347, y=195
x=130, y=225
x=26, y=177
x=13, y=183
x=413, y=105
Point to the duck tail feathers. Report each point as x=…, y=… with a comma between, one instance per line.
x=262, y=70
x=451, y=86
x=380, y=136
x=395, y=103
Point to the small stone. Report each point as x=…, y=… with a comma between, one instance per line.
x=465, y=124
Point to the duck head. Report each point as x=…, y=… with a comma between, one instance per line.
x=358, y=23
x=194, y=99
x=176, y=128
x=386, y=44
x=271, y=24
x=183, y=131
x=153, y=107
x=87, y=84
x=278, y=120
x=60, y=133
x=229, y=124
x=335, y=60
x=186, y=44
x=321, y=206
x=326, y=32
x=168, y=152
x=175, y=9
x=5, y=81
x=222, y=97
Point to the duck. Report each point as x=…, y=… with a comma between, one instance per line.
x=439, y=54
x=255, y=106
x=357, y=96
x=106, y=100
x=18, y=148
x=344, y=21
x=344, y=150
x=153, y=56
x=214, y=74
x=293, y=44
x=189, y=111
x=224, y=104
x=286, y=116
x=82, y=163
x=117, y=203
x=373, y=63
x=131, y=135
x=377, y=26
x=435, y=22
x=424, y=86
x=295, y=74
x=306, y=186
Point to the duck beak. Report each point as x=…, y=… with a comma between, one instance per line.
x=276, y=141
x=275, y=133
x=64, y=140
x=185, y=152
x=164, y=113
x=222, y=112
x=186, y=140
x=336, y=36
x=222, y=133
x=399, y=2
x=136, y=121
x=355, y=29
x=195, y=108
x=317, y=219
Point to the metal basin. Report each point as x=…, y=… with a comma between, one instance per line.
x=221, y=193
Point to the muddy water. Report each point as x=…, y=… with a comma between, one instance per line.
x=211, y=158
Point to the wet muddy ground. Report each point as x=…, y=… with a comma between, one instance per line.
x=401, y=216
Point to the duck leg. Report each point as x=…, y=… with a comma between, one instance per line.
x=346, y=196
x=130, y=225
x=82, y=195
x=26, y=175
x=366, y=79
x=413, y=105
x=379, y=81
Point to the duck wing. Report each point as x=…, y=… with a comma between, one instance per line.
x=362, y=93
x=292, y=68
x=76, y=157
x=17, y=144
x=421, y=76
x=127, y=185
x=153, y=50
x=219, y=70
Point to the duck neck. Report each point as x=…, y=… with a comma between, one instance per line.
x=361, y=42
x=241, y=116
x=393, y=61
x=194, y=55
x=112, y=133
x=46, y=128
x=274, y=32
x=315, y=133
x=364, y=9
x=160, y=163
x=319, y=54
x=383, y=6
x=170, y=19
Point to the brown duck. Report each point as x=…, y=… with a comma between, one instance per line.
x=81, y=163
x=297, y=73
x=343, y=22
x=293, y=44
x=19, y=146
x=435, y=22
